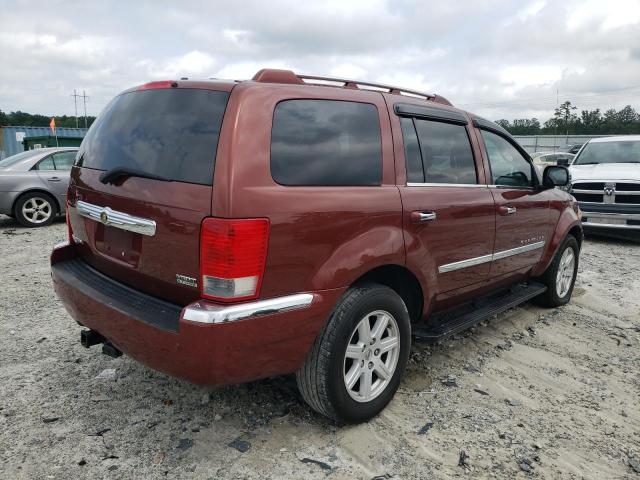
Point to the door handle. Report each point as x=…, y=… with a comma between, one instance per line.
x=507, y=210
x=53, y=179
x=422, y=217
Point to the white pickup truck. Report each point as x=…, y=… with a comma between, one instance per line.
x=605, y=179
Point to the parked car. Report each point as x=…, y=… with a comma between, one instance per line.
x=606, y=183
x=33, y=185
x=572, y=148
x=542, y=159
x=339, y=221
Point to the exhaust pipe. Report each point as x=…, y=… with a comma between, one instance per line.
x=89, y=338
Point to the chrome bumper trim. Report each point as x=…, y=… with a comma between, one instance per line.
x=205, y=312
x=610, y=216
x=113, y=218
x=472, y=262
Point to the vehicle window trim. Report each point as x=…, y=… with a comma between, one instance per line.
x=273, y=114
x=430, y=113
x=521, y=151
x=424, y=175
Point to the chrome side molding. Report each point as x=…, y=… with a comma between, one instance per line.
x=204, y=312
x=472, y=262
x=113, y=218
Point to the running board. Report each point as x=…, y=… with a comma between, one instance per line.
x=446, y=324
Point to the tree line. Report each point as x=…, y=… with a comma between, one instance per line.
x=566, y=121
x=24, y=119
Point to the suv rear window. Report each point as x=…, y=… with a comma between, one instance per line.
x=326, y=142
x=172, y=133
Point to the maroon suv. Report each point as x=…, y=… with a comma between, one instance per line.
x=226, y=231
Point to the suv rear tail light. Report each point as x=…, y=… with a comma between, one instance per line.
x=69, y=229
x=232, y=258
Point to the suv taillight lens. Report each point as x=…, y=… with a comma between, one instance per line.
x=69, y=229
x=232, y=257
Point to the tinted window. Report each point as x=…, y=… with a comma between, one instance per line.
x=508, y=166
x=413, y=159
x=326, y=142
x=446, y=152
x=46, y=164
x=64, y=160
x=168, y=132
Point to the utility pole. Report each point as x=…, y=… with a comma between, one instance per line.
x=75, y=104
x=84, y=97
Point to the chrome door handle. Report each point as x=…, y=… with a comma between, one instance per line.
x=422, y=217
x=507, y=210
x=54, y=179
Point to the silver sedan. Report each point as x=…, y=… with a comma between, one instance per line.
x=33, y=184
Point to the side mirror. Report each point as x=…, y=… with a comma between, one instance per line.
x=555, y=176
x=563, y=162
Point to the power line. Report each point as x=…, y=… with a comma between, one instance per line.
x=75, y=103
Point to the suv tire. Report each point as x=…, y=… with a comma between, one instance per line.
x=560, y=277
x=347, y=352
x=35, y=209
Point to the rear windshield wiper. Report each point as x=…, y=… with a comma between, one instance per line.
x=110, y=176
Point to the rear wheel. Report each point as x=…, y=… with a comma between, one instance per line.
x=356, y=363
x=560, y=277
x=36, y=209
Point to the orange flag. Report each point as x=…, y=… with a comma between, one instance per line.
x=52, y=125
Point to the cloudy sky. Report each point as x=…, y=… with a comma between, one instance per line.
x=498, y=58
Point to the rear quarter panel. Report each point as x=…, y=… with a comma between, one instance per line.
x=320, y=237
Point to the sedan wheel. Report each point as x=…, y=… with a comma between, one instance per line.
x=37, y=210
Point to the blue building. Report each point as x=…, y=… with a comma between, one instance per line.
x=12, y=139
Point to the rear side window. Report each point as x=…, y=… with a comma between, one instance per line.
x=46, y=164
x=446, y=153
x=172, y=133
x=326, y=142
x=64, y=160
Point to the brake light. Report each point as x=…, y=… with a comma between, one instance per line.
x=233, y=253
x=158, y=84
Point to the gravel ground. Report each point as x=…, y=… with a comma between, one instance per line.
x=532, y=393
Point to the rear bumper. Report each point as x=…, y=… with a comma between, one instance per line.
x=204, y=342
x=7, y=200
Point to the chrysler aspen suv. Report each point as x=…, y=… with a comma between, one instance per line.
x=226, y=231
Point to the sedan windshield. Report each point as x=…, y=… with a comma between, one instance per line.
x=13, y=159
x=609, y=152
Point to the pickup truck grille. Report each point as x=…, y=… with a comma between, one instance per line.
x=607, y=192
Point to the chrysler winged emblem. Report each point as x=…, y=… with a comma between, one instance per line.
x=609, y=189
x=104, y=217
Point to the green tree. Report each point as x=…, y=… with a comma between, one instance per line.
x=23, y=119
x=565, y=117
x=590, y=121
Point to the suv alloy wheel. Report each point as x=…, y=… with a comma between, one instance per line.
x=356, y=363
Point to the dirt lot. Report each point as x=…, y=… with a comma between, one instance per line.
x=532, y=393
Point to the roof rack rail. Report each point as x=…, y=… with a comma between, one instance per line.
x=272, y=75
x=358, y=84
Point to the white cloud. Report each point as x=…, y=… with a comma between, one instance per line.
x=500, y=58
